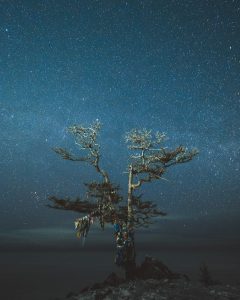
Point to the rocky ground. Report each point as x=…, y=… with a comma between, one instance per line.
x=156, y=281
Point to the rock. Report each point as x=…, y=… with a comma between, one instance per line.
x=113, y=280
x=125, y=293
x=100, y=295
x=157, y=282
x=158, y=290
x=153, y=268
x=152, y=282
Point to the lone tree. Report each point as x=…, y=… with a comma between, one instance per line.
x=102, y=200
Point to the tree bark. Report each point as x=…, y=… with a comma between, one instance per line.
x=130, y=265
x=130, y=190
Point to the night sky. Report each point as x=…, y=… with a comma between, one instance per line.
x=171, y=66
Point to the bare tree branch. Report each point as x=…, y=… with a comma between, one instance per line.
x=86, y=139
x=68, y=156
x=152, y=159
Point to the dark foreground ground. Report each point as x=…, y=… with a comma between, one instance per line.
x=49, y=275
x=154, y=280
x=175, y=289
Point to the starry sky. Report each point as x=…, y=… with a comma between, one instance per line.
x=165, y=65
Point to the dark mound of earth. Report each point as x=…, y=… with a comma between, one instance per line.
x=155, y=281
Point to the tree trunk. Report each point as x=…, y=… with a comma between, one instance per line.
x=130, y=265
x=130, y=190
x=130, y=270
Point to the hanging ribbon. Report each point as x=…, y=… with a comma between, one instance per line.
x=82, y=226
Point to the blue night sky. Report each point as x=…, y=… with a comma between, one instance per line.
x=171, y=66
